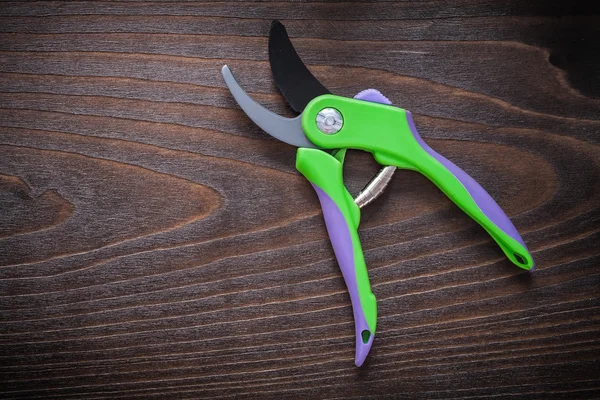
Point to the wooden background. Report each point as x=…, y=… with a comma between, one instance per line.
x=154, y=243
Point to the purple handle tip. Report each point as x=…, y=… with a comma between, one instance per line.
x=362, y=349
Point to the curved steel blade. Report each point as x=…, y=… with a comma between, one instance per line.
x=294, y=80
x=288, y=130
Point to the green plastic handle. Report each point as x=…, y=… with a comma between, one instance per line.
x=389, y=134
x=342, y=217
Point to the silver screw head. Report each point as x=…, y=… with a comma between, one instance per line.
x=329, y=121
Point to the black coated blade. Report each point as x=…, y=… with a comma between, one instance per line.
x=294, y=80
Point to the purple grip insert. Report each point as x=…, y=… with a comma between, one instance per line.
x=485, y=202
x=341, y=241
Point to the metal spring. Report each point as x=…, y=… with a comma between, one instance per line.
x=375, y=187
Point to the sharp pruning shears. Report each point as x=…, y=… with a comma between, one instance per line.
x=327, y=126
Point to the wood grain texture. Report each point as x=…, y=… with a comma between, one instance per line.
x=154, y=243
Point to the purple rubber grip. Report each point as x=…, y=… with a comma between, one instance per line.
x=483, y=200
x=341, y=241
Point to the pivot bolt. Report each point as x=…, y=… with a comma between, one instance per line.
x=329, y=121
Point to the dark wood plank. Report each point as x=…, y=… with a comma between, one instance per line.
x=154, y=243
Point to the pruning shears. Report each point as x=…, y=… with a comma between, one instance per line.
x=327, y=126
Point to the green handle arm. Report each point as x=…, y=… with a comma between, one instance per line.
x=342, y=217
x=390, y=135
